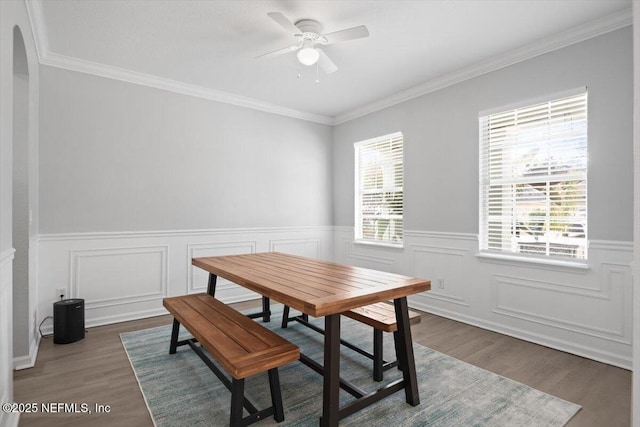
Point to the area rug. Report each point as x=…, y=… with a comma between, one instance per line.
x=181, y=391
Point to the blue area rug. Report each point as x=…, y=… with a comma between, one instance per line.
x=181, y=391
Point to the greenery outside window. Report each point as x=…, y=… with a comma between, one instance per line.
x=533, y=179
x=379, y=198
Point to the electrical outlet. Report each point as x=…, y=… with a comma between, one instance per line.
x=440, y=281
x=61, y=293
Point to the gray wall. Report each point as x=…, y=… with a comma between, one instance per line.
x=121, y=157
x=116, y=156
x=441, y=138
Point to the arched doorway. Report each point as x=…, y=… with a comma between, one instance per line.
x=20, y=199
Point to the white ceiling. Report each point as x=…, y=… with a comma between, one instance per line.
x=212, y=45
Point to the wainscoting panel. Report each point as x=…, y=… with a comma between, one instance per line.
x=582, y=311
x=445, y=267
x=303, y=247
x=119, y=276
x=125, y=276
x=198, y=279
x=364, y=255
x=538, y=301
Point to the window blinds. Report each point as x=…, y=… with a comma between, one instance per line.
x=533, y=179
x=379, y=189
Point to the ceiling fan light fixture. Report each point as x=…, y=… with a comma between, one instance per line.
x=308, y=56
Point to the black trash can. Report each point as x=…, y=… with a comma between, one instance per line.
x=68, y=320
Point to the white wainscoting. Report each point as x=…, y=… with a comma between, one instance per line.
x=124, y=276
x=587, y=312
x=6, y=336
x=26, y=361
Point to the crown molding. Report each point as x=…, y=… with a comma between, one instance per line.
x=111, y=72
x=38, y=27
x=46, y=57
x=574, y=35
x=548, y=44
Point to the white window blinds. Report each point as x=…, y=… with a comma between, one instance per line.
x=533, y=179
x=379, y=178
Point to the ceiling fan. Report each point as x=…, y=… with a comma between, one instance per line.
x=308, y=39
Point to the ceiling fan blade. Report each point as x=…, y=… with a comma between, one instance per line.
x=279, y=52
x=326, y=63
x=284, y=22
x=348, y=34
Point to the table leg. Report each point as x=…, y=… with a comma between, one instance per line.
x=331, y=383
x=404, y=346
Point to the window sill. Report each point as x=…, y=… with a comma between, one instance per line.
x=531, y=262
x=379, y=244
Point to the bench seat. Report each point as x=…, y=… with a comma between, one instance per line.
x=380, y=316
x=242, y=346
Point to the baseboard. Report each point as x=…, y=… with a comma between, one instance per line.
x=29, y=361
x=109, y=320
x=578, y=350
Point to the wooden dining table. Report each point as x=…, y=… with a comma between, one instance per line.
x=326, y=289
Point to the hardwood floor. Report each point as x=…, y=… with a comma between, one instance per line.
x=96, y=370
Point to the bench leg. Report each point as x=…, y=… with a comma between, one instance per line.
x=377, y=355
x=276, y=395
x=174, y=336
x=237, y=399
x=285, y=317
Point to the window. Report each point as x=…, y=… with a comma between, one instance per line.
x=533, y=179
x=378, y=188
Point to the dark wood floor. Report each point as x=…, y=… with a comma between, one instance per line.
x=96, y=371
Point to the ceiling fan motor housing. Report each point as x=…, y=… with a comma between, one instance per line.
x=308, y=35
x=309, y=26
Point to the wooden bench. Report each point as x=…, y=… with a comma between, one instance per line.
x=381, y=316
x=242, y=346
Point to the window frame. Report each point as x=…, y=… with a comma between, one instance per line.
x=484, y=187
x=358, y=192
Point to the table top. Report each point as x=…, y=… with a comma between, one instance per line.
x=317, y=288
